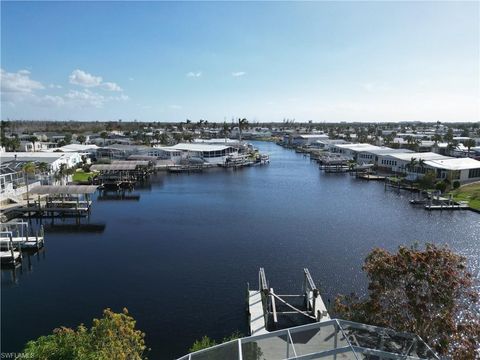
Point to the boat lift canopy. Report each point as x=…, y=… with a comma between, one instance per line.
x=63, y=189
x=113, y=167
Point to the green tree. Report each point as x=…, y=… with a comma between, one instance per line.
x=104, y=135
x=112, y=337
x=469, y=144
x=43, y=167
x=28, y=169
x=428, y=292
x=81, y=139
x=33, y=139
x=242, y=124
x=68, y=139
x=164, y=139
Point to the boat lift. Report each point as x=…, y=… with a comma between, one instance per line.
x=264, y=305
x=18, y=234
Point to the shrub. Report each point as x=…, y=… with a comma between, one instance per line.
x=441, y=186
x=112, y=337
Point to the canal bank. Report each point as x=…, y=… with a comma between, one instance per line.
x=179, y=256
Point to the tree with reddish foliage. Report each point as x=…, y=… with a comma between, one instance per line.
x=427, y=292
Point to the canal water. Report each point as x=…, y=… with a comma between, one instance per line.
x=180, y=254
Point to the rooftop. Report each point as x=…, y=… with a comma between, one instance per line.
x=454, y=164
x=424, y=156
x=199, y=147
x=360, y=147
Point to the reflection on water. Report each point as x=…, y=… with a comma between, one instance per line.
x=179, y=257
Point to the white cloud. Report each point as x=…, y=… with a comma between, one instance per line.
x=19, y=82
x=89, y=98
x=82, y=78
x=194, y=74
x=238, y=73
x=110, y=86
x=175, y=107
x=55, y=86
x=85, y=97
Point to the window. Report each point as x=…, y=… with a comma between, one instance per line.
x=473, y=173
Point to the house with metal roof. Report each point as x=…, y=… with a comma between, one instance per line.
x=209, y=153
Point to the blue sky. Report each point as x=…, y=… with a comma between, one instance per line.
x=162, y=61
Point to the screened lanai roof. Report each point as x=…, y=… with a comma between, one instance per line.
x=113, y=167
x=131, y=162
x=332, y=339
x=64, y=189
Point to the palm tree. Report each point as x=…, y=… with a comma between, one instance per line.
x=242, y=124
x=411, y=165
x=452, y=145
x=437, y=138
x=103, y=135
x=469, y=144
x=81, y=139
x=61, y=172
x=28, y=169
x=163, y=139
x=33, y=139
x=43, y=167
x=225, y=130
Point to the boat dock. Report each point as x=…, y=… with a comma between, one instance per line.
x=269, y=311
x=455, y=206
x=53, y=200
x=17, y=235
x=10, y=257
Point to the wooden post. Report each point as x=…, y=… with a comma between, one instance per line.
x=12, y=252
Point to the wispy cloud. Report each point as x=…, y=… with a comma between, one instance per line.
x=19, y=82
x=175, y=107
x=194, y=74
x=18, y=88
x=84, y=79
x=238, y=73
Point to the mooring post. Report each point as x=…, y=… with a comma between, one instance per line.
x=12, y=252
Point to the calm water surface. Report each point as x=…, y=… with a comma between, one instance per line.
x=179, y=258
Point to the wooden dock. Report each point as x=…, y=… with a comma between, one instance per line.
x=371, y=177
x=447, y=207
x=10, y=257
x=269, y=311
x=17, y=235
x=25, y=243
x=256, y=313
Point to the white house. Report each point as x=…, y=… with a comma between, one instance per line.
x=53, y=159
x=211, y=153
x=464, y=170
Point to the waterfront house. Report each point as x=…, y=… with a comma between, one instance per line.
x=209, y=153
x=464, y=170
x=306, y=139
x=53, y=159
x=123, y=151
x=401, y=163
x=416, y=165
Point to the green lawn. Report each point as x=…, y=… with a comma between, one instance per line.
x=470, y=193
x=82, y=176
